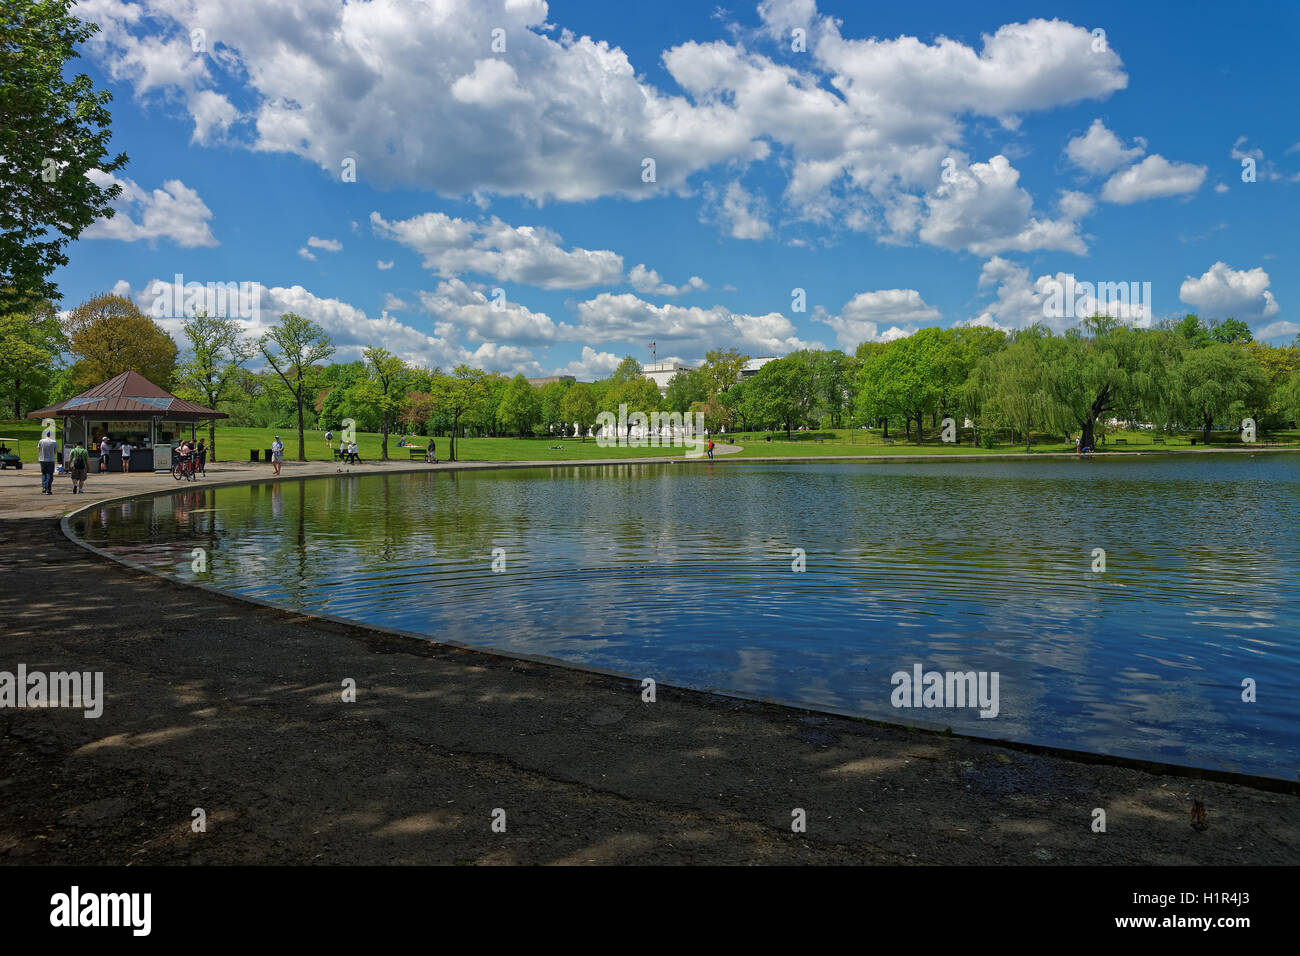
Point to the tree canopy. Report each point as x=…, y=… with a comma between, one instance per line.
x=55, y=174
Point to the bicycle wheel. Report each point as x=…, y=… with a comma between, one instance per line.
x=176, y=472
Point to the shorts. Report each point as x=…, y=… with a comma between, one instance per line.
x=78, y=474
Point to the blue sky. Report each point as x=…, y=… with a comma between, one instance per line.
x=912, y=165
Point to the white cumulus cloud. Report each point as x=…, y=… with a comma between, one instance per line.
x=1153, y=178
x=1225, y=292
x=172, y=212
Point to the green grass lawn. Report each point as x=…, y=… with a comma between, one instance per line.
x=847, y=441
x=234, y=444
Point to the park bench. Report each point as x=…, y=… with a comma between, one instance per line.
x=417, y=454
x=1158, y=441
x=1121, y=441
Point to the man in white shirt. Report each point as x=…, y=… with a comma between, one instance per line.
x=47, y=453
x=103, y=454
x=277, y=454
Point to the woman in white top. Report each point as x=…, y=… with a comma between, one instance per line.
x=126, y=456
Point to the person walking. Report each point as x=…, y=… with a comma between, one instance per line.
x=78, y=462
x=343, y=449
x=103, y=454
x=1078, y=444
x=431, y=453
x=352, y=453
x=329, y=439
x=277, y=454
x=47, y=453
x=126, y=456
x=710, y=449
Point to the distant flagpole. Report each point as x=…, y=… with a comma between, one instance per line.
x=652, y=353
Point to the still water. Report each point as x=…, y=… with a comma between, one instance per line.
x=684, y=573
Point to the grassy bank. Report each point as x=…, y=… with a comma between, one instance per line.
x=839, y=442
x=234, y=444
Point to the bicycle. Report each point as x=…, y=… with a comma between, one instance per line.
x=183, y=469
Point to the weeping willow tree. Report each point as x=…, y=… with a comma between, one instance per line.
x=1010, y=384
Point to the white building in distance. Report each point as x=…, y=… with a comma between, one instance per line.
x=661, y=373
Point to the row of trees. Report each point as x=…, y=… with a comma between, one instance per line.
x=1181, y=374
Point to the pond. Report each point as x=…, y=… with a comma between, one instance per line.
x=1124, y=606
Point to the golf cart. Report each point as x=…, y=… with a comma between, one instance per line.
x=11, y=453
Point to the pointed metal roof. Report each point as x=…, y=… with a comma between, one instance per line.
x=129, y=395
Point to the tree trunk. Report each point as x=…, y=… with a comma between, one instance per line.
x=1028, y=423
x=907, y=427
x=920, y=424
x=301, y=447
x=1205, y=434
x=212, y=439
x=886, y=435
x=451, y=452
x=383, y=445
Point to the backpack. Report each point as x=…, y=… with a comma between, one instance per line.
x=78, y=459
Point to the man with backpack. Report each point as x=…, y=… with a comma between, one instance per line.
x=78, y=462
